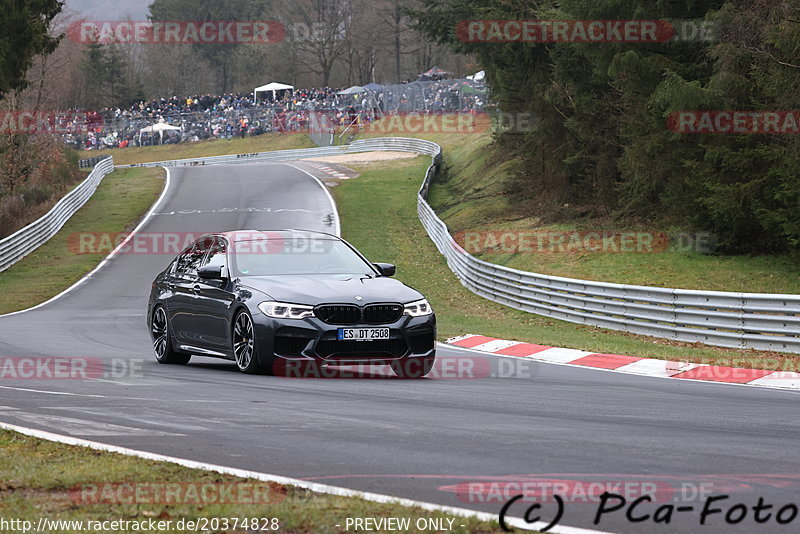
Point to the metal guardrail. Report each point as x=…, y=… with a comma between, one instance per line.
x=19, y=244
x=362, y=145
x=16, y=246
x=761, y=321
x=742, y=320
x=89, y=163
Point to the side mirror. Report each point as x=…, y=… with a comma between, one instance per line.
x=386, y=269
x=210, y=272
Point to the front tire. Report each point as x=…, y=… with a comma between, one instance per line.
x=413, y=367
x=162, y=340
x=244, y=344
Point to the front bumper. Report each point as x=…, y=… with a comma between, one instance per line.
x=313, y=339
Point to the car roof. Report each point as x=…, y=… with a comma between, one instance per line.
x=261, y=235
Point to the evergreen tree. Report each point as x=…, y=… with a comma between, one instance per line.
x=24, y=34
x=602, y=140
x=108, y=83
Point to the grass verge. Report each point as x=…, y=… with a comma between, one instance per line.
x=481, y=192
x=211, y=147
x=59, y=482
x=379, y=216
x=120, y=201
x=118, y=204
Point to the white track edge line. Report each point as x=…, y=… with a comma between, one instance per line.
x=278, y=479
x=146, y=218
x=107, y=258
x=338, y=225
x=63, y=393
x=312, y=486
x=685, y=380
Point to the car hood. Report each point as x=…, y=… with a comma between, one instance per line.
x=319, y=289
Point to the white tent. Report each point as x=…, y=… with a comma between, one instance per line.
x=159, y=128
x=478, y=76
x=273, y=86
x=352, y=90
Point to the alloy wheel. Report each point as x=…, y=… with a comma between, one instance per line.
x=243, y=340
x=159, y=331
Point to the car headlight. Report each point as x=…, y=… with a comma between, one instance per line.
x=284, y=310
x=418, y=308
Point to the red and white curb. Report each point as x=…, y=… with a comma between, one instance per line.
x=629, y=364
x=329, y=171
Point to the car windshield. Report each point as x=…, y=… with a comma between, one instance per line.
x=266, y=257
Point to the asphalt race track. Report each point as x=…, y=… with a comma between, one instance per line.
x=499, y=422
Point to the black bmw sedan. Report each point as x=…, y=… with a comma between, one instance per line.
x=270, y=300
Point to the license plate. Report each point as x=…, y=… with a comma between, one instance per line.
x=362, y=334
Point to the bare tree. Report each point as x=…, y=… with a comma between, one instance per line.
x=367, y=41
x=171, y=69
x=318, y=32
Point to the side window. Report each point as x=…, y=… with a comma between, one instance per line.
x=190, y=260
x=217, y=255
x=183, y=260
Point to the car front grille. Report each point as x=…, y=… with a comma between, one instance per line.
x=382, y=313
x=349, y=314
x=394, y=348
x=338, y=313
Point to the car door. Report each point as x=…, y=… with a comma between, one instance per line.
x=214, y=301
x=181, y=305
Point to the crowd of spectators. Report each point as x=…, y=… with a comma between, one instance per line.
x=201, y=117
